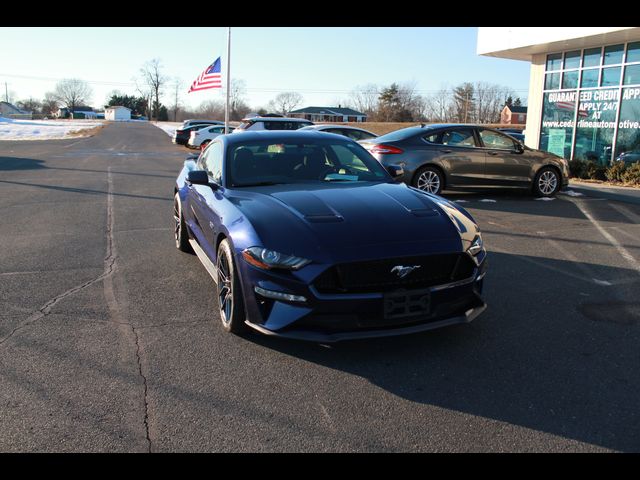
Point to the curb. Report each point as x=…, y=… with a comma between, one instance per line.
x=619, y=194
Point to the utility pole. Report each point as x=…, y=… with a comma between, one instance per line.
x=466, y=107
x=175, y=105
x=6, y=93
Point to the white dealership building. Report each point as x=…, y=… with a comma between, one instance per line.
x=584, y=86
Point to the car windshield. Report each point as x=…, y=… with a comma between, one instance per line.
x=268, y=163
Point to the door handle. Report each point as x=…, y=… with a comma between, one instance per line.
x=446, y=150
x=493, y=153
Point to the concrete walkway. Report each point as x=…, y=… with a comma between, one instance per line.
x=620, y=194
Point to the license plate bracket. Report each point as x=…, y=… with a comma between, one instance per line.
x=407, y=303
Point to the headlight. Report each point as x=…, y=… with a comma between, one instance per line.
x=476, y=246
x=267, y=259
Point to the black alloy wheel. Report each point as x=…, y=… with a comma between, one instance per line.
x=230, y=305
x=180, y=229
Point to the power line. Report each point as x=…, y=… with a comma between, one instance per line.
x=256, y=89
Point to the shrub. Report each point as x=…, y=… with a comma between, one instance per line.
x=577, y=168
x=632, y=174
x=596, y=171
x=615, y=172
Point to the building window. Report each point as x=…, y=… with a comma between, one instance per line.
x=558, y=122
x=628, y=139
x=590, y=78
x=570, y=79
x=552, y=81
x=610, y=77
x=596, y=125
x=572, y=59
x=613, y=54
x=631, y=74
x=633, y=52
x=591, y=57
x=554, y=61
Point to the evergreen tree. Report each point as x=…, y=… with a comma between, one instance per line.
x=464, y=102
x=517, y=103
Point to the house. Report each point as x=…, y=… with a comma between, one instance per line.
x=117, y=113
x=329, y=114
x=9, y=110
x=79, y=111
x=513, y=115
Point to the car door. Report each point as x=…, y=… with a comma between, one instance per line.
x=506, y=163
x=458, y=153
x=204, y=201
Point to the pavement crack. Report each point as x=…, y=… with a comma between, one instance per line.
x=144, y=382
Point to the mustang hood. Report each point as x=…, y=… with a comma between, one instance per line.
x=346, y=218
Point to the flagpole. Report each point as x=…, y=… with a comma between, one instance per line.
x=226, y=106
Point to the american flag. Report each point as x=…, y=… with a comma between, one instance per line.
x=210, y=78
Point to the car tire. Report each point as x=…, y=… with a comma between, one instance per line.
x=228, y=292
x=429, y=179
x=546, y=182
x=180, y=228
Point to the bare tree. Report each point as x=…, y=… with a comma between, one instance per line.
x=212, y=109
x=50, y=104
x=285, y=102
x=237, y=103
x=30, y=105
x=155, y=81
x=365, y=99
x=72, y=92
x=490, y=99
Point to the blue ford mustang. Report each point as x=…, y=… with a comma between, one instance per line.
x=307, y=236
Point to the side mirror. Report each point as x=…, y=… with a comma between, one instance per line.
x=519, y=148
x=395, y=170
x=198, y=177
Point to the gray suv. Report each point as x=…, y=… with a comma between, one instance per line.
x=435, y=157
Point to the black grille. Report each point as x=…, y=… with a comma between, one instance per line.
x=376, y=275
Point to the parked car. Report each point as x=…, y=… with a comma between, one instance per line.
x=181, y=135
x=628, y=157
x=200, y=138
x=435, y=157
x=353, y=133
x=271, y=123
x=307, y=236
x=188, y=123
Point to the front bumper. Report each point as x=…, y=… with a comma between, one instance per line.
x=328, y=318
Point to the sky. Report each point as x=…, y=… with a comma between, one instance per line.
x=322, y=64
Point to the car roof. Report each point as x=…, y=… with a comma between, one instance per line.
x=275, y=119
x=317, y=126
x=279, y=136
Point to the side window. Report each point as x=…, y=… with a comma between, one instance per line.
x=493, y=139
x=213, y=161
x=460, y=137
x=434, y=138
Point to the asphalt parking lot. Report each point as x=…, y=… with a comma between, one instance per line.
x=109, y=341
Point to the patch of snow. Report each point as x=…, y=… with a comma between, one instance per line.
x=12, y=129
x=168, y=127
x=571, y=193
x=488, y=200
x=545, y=199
